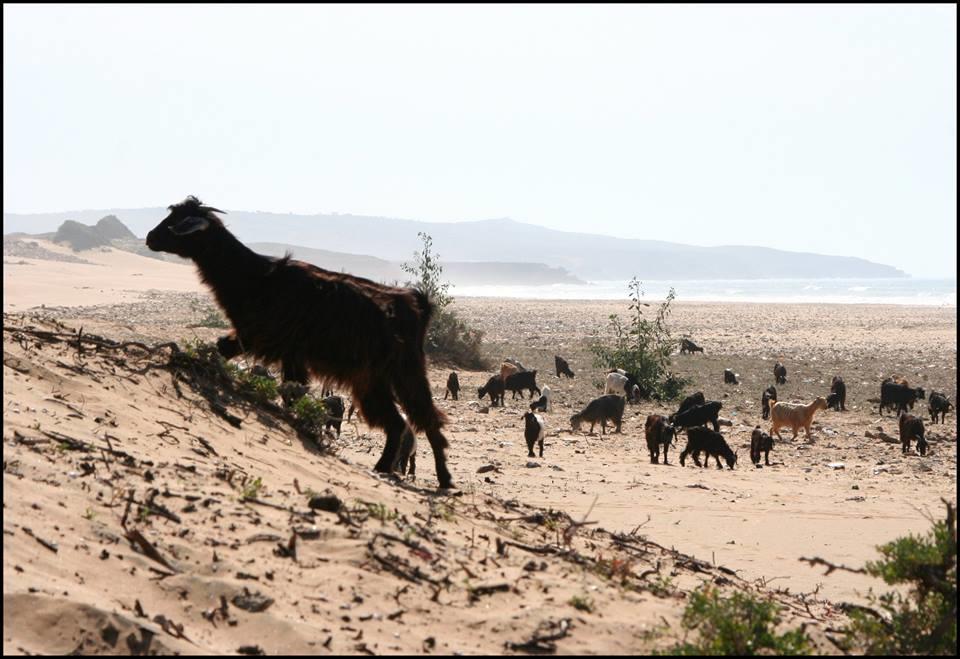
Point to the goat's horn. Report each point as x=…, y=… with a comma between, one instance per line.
x=211, y=208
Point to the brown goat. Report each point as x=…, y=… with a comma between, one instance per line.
x=344, y=329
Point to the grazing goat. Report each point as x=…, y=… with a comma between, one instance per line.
x=602, y=409
x=494, y=389
x=701, y=438
x=911, y=427
x=839, y=389
x=688, y=403
x=939, y=404
x=542, y=403
x=729, y=377
x=520, y=367
x=700, y=415
x=659, y=433
x=780, y=373
x=899, y=395
x=520, y=381
x=507, y=369
x=333, y=407
x=760, y=442
x=334, y=326
x=533, y=432
x=769, y=394
x=794, y=415
x=563, y=368
x=686, y=345
x=453, y=386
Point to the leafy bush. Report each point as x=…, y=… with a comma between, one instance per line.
x=925, y=620
x=642, y=347
x=310, y=411
x=737, y=625
x=449, y=339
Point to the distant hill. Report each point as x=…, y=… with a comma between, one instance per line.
x=582, y=255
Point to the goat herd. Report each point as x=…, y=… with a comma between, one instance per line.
x=696, y=413
x=368, y=338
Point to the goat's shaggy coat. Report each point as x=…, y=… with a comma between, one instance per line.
x=658, y=433
x=563, y=368
x=688, y=403
x=939, y=404
x=899, y=394
x=602, y=409
x=493, y=388
x=520, y=381
x=701, y=438
x=794, y=416
x=760, y=442
x=911, y=427
x=507, y=369
x=453, y=386
x=769, y=394
x=345, y=329
x=838, y=387
x=700, y=415
x=686, y=345
x=533, y=432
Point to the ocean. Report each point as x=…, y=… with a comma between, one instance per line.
x=903, y=291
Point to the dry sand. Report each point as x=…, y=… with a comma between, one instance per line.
x=756, y=522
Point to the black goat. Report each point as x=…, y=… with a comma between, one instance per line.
x=563, y=368
x=701, y=438
x=602, y=409
x=659, y=433
x=334, y=326
x=493, y=388
x=780, y=373
x=840, y=389
x=688, y=403
x=911, y=427
x=533, y=432
x=939, y=404
x=520, y=381
x=899, y=395
x=769, y=394
x=333, y=407
x=453, y=386
x=760, y=442
x=700, y=416
x=729, y=377
x=686, y=345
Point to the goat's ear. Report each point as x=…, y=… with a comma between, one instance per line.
x=190, y=225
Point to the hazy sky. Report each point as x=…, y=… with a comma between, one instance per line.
x=830, y=129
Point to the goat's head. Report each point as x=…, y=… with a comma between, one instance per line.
x=920, y=392
x=820, y=403
x=575, y=422
x=187, y=230
x=732, y=459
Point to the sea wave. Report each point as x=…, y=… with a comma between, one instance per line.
x=922, y=292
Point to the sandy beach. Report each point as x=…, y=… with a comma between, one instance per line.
x=835, y=495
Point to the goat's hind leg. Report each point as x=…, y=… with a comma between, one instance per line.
x=380, y=412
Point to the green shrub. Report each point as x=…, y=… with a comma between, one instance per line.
x=737, y=625
x=642, y=347
x=310, y=411
x=449, y=339
x=925, y=620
